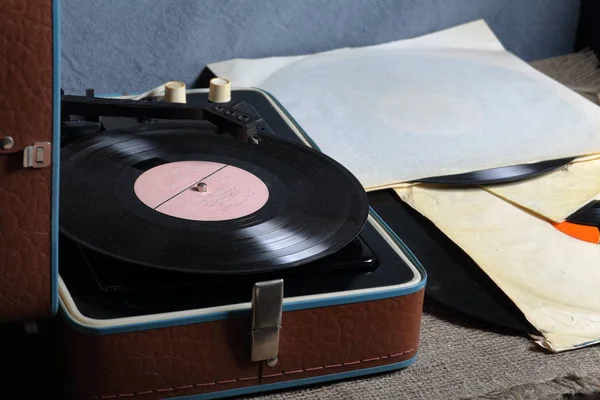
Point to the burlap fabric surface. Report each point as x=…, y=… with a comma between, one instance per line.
x=462, y=358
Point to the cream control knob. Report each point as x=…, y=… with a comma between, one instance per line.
x=219, y=91
x=175, y=92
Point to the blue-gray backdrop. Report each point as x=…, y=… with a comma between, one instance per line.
x=132, y=45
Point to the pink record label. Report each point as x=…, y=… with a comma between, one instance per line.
x=201, y=191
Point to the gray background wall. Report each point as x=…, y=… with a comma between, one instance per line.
x=133, y=45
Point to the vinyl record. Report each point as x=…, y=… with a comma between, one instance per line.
x=512, y=173
x=180, y=197
x=587, y=215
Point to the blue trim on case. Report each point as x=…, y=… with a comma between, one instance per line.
x=300, y=382
x=55, y=153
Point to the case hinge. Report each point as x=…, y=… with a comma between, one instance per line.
x=267, y=306
x=38, y=155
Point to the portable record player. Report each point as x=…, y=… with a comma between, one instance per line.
x=227, y=259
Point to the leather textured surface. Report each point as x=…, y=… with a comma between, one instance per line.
x=160, y=363
x=25, y=194
x=337, y=339
x=215, y=356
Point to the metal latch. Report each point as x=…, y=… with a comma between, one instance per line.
x=38, y=155
x=267, y=306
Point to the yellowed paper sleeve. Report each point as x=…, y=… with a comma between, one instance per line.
x=552, y=278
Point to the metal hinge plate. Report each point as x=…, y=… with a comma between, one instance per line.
x=38, y=155
x=267, y=307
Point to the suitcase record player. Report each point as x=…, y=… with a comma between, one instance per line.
x=320, y=290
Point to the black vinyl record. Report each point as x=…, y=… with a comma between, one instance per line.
x=314, y=206
x=512, y=173
x=587, y=215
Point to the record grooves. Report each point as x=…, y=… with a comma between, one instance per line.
x=303, y=218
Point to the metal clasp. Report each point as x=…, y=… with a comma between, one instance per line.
x=267, y=306
x=38, y=155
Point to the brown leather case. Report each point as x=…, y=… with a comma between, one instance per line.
x=215, y=356
x=26, y=81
